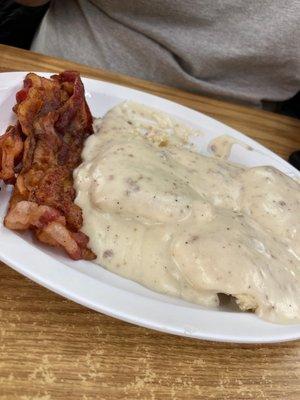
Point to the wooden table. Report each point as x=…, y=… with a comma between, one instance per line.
x=52, y=348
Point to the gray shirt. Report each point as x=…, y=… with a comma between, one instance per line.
x=248, y=51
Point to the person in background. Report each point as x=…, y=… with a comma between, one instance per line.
x=18, y=22
x=245, y=51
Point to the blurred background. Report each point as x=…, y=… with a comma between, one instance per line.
x=19, y=23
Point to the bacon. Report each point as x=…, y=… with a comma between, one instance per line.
x=26, y=214
x=53, y=122
x=38, y=97
x=11, y=146
x=50, y=227
x=57, y=235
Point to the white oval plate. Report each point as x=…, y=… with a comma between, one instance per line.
x=94, y=287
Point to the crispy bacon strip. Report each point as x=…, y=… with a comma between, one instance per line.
x=50, y=227
x=38, y=97
x=11, y=147
x=53, y=122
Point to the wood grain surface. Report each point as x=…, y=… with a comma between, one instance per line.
x=52, y=348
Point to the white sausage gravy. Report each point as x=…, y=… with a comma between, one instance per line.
x=185, y=224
